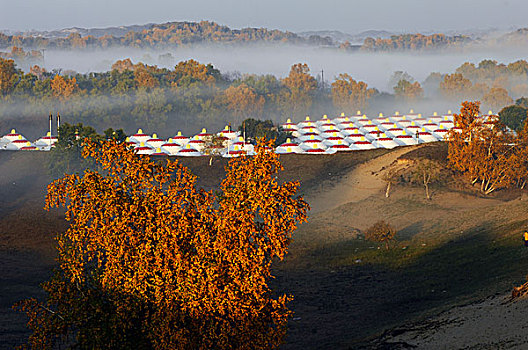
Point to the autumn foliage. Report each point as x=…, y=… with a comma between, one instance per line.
x=152, y=262
x=485, y=151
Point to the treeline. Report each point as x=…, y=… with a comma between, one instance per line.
x=414, y=42
x=193, y=95
x=164, y=35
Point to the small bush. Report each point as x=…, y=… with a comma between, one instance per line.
x=381, y=232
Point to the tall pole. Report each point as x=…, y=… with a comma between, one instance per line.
x=58, y=123
x=322, y=78
x=50, y=122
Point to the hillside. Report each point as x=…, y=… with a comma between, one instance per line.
x=456, y=249
x=170, y=34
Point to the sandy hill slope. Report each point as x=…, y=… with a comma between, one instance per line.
x=456, y=249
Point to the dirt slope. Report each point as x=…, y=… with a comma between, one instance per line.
x=360, y=183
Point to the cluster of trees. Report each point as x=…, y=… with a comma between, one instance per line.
x=193, y=94
x=150, y=261
x=189, y=96
x=494, y=84
x=414, y=42
x=25, y=59
x=487, y=152
x=164, y=35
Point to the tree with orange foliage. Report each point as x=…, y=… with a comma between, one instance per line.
x=152, y=262
x=123, y=65
x=63, y=88
x=482, y=149
x=455, y=86
x=191, y=72
x=8, y=76
x=144, y=77
x=243, y=102
x=349, y=95
x=301, y=86
x=408, y=91
x=496, y=98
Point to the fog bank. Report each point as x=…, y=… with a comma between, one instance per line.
x=374, y=68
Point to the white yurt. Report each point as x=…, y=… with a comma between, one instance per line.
x=142, y=148
x=180, y=139
x=245, y=146
x=310, y=136
x=362, y=145
x=288, y=147
x=363, y=120
x=331, y=133
x=159, y=152
x=171, y=147
x=12, y=136
x=396, y=117
x=234, y=151
x=366, y=128
x=447, y=124
x=435, y=118
x=17, y=144
x=189, y=151
x=441, y=133
x=140, y=136
x=346, y=123
x=404, y=123
x=308, y=130
x=334, y=140
x=327, y=126
x=312, y=144
x=203, y=135
x=405, y=140
x=374, y=134
x=350, y=130
x=47, y=140
x=394, y=131
x=289, y=125
x=227, y=132
x=155, y=141
x=425, y=136
x=197, y=144
x=355, y=137
x=430, y=126
x=306, y=122
x=340, y=148
x=29, y=147
x=385, y=142
x=318, y=150
x=342, y=117
x=130, y=143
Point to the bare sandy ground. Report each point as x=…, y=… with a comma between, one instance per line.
x=361, y=183
x=494, y=323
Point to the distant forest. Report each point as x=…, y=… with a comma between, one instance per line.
x=193, y=95
x=175, y=34
x=164, y=35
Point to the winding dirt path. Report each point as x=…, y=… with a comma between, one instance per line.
x=361, y=183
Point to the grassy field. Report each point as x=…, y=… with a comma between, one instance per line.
x=455, y=249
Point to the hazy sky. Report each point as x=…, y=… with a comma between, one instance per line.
x=350, y=16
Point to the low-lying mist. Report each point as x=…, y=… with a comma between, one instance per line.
x=374, y=68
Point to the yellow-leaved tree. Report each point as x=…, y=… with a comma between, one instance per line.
x=150, y=261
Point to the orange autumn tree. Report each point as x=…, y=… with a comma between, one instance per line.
x=152, y=262
x=482, y=149
x=63, y=88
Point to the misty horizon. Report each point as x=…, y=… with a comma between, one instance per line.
x=405, y=16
